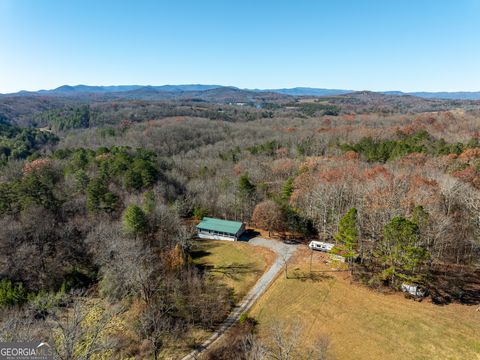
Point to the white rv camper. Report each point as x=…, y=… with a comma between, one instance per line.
x=321, y=246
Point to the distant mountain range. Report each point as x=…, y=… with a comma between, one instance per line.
x=457, y=95
x=67, y=89
x=172, y=91
x=306, y=91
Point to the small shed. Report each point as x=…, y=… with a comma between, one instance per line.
x=219, y=229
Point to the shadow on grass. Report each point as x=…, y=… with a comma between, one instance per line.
x=306, y=275
x=197, y=254
x=200, y=248
x=232, y=271
x=248, y=235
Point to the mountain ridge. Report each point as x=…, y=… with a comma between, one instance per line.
x=81, y=89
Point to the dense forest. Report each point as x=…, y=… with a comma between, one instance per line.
x=97, y=200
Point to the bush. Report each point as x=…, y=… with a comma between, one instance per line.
x=44, y=303
x=200, y=212
x=12, y=294
x=247, y=320
x=243, y=318
x=135, y=220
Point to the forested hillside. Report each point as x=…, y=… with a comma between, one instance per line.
x=98, y=198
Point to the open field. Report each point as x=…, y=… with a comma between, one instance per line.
x=237, y=264
x=363, y=324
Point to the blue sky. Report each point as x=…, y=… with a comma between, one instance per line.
x=376, y=45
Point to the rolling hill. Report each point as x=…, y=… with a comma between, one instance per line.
x=130, y=90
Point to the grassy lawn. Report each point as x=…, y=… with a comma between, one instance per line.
x=236, y=264
x=363, y=324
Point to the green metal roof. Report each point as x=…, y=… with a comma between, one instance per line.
x=226, y=226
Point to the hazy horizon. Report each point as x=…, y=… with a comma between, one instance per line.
x=241, y=88
x=378, y=46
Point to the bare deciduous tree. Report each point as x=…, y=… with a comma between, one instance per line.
x=268, y=215
x=84, y=331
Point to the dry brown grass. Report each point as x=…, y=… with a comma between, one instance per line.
x=236, y=264
x=364, y=324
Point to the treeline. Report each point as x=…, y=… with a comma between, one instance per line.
x=21, y=143
x=41, y=207
x=66, y=118
x=420, y=142
x=108, y=113
x=95, y=174
x=313, y=108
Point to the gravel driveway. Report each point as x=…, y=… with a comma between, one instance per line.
x=283, y=252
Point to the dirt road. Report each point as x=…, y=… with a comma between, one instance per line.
x=283, y=252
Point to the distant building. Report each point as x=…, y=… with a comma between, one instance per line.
x=218, y=229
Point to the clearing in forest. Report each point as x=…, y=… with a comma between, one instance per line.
x=361, y=323
x=236, y=264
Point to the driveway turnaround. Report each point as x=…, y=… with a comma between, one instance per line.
x=283, y=252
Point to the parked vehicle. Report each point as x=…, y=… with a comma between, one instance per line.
x=321, y=246
x=414, y=290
